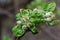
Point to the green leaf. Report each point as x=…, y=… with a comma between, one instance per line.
x=33, y=29
x=55, y=22
x=17, y=31
x=36, y=4
x=18, y=16
x=51, y=6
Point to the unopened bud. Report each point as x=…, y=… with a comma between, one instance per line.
x=18, y=22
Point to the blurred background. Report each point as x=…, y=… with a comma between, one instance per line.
x=8, y=10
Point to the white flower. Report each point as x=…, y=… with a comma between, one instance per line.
x=48, y=19
x=35, y=9
x=48, y=14
x=18, y=22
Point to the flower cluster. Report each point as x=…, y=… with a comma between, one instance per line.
x=27, y=19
